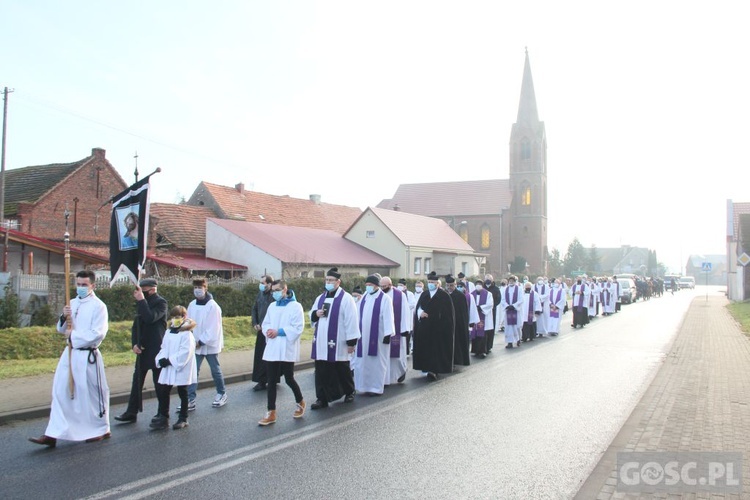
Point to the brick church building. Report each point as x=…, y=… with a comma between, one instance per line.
x=505, y=218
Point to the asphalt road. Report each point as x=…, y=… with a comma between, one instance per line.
x=523, y=423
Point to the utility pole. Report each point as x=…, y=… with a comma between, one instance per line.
x=2, y=179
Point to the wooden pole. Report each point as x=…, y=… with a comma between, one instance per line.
x=69, y=319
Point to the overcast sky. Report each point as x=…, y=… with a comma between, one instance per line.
x=645, y=102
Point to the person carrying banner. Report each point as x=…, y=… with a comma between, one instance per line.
x=146, y=337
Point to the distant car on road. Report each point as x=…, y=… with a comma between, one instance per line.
x=628, y=292
x=687, y=282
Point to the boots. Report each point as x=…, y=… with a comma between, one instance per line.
x=269, y=419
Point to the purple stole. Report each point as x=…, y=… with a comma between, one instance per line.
x=396, y=337
x=333, y=326
x=372, y=348
x=591, y=298
x=606, y=293
x=580, y=297
x=530, y=317
x=477, y=331
x=553, y=302
x=544, y=290
x=511, y=317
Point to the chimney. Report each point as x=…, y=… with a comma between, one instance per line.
x=240, y=188
x=315, y=198
x=396, y=208
x=98, y=153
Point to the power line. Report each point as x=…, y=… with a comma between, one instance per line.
x=66, y=111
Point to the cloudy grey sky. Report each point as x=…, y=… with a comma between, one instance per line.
x=645, y=103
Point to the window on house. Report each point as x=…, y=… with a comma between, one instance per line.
x=370, y=234
x=318, y=274
x=304, y=274
x=485, y=237
x=464, y=267
x=427, y=266
x=417, y=265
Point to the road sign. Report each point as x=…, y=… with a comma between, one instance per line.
x=577, y=273
x=706, y=267
x=744, y=259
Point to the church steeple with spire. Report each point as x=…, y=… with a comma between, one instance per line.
x=528, y=181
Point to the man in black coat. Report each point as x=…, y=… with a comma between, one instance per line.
x=262, y=301
x=146, y=336
x=462, y=341
x=434, y=326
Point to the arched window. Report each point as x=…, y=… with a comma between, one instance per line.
x=485, y=237
x=463, y=232
x=526, y=196
x=525, y=149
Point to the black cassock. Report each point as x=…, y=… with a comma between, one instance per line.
x=433, y=336
x=461, y=355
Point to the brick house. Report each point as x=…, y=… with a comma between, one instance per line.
x=36, y=198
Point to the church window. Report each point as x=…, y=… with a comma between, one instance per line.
x=417, y=265
x=485, y=237
x=526, y=196
x=463, y=232
x=525, y=150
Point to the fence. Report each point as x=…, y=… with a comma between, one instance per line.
x=213, y=281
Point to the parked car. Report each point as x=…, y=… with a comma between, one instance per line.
x=628, y=292
x=687, y=282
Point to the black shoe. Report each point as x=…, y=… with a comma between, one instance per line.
x=553, y=334
x=349, y=398
x=180, y=424
x=159, y=423
x=431, y=376
x=482, y=356
x=318, y=404
x=260, y=386
x=518, y=344
x=44, y=440
x=509, y=346
x=127, y=417
x=401, y=378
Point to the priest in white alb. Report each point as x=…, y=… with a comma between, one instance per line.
x=373, y=350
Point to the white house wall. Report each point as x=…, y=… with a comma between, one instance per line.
x=384, y=243
x=223, y=245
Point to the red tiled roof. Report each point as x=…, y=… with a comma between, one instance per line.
x=420, y=231
x=440, y=199
x=302, y=245
x=195, y=262
x=252, y=206
x=184, y=226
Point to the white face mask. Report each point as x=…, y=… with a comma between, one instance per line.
x=418, y=289
x=402, y=288
x=199, y=293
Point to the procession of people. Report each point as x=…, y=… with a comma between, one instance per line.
x=362, y=341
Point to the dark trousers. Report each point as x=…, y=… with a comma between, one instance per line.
x=333, y=380
x=162, y=393
x=490, y=335
x=260, y=370
x=136, y=389
x=479, y=345
x=275, y=370
x=528, y=331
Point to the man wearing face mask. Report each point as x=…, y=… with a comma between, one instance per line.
x=461, y=304
x=434, y=330
x=542, y=290
x=402, y=318
x=555, y=307
x=512, y=303
x=580, y=292
x=146, y=337
x=481, y=330
x=209, y=340
x=262, y=301
x=373, y=349
x=80, y=394
x=335, y=321
x=490, y=286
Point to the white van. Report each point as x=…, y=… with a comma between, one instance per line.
x=687, y=282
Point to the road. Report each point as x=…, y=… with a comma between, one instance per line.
x=523, y=423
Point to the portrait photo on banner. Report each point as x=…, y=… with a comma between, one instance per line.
x=128, y=218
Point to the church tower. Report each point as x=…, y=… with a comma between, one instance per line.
x=528, y=182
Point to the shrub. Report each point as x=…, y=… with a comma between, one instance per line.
x=9, y=313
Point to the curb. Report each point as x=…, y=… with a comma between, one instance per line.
x=122, y=397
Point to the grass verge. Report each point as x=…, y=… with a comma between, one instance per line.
x=741, y=312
